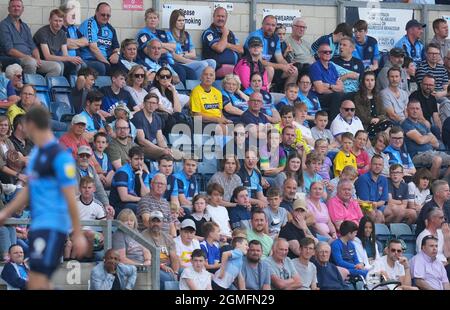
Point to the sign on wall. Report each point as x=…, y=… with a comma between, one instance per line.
x=133, y=5
x=386, y=25
x=196, y=17
x=284, y=17
x=226, y=5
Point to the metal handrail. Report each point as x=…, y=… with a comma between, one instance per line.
x=107, y=225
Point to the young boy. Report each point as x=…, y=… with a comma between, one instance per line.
x=321, y=148
x=240, y=215
x=276, y=217
x=345, y=157
x=320, y=132
x=211, y=245
x=190, y=185
x=88, y=209
x=185, y=243
x=231, y=266
x=196, y=277
x=115, y=94
x=300, y=122
x=218, y=213
x=310, y=174
x=100, y=144
x=287, y=119
x=291, y=94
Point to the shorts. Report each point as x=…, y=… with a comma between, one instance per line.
x=426, y=158
x=46, y=249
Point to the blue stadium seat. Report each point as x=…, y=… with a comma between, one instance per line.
x=73, y=81
x=399, y=229
x=218, y=84
x=190, y=84
x=60, y=92
x=103, y=81
x=382, y=233
x=35, y=79
x=57, y=82
x=62, y=111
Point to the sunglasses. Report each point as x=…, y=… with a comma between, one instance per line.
x=139, y=76
x=165, y=77
x=396, y=250
x=349, y=109
x=326, y=52
x=105, y=15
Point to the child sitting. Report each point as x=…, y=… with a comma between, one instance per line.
x=310, y=174
x=211, y=246
x=198, y=215
x=291, y=94
x=344, y=157
x=319, y=131
x=300, y=114
x=185, y=243
x=276, y=217
x=218, y=213
x=196, y=277
x=321, y=148
x=240, y=215
x=100, y=144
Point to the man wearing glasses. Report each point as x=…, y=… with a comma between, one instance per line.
x=104, y=48
x=303, y=55
x=394, y=266
x=346, y=121
x=396, y=150
x=119, y=147
x=326, y=82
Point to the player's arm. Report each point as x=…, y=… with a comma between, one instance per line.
x=19, y=202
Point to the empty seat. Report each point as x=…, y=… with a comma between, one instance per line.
x=382, y=233
x=59, y=89
x=103, y=81
x=399, y=229
x=62, y=111
x=190, y=84
x=35, y=79
x=57, y=82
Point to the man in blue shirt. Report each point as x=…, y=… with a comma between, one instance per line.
x=254, y=117
x=220, y=43
x=51, y=196
x=366, y=47
x=252, y=179
x=411, y=43
x=272, y=57
x=130, y=182
x=190, y=186
x=372, y=187
x=333, y=39
x=93, y=118
x=104, y=48
x=396, y=150
x=421, y=143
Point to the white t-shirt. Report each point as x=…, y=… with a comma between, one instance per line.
x=417, y=196
x=394, y=273
x=201, y=279
x=220, y=216
x=440, y=236
x=92, y=211
x=339, y=126
x=184, y=252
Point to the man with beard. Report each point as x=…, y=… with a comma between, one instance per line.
x=256, y=272
x=394, y=98
x=112, y=275
x=169, y=263
x=119, y=147
x=259, y=224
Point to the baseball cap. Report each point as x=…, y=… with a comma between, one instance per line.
x=414, y=23
x=255, y=41
x=156, y=214
x=84, y=149
x=188, y=223
x=396, y=52
x=299, y=204
x=122, y=106
x=78, y=119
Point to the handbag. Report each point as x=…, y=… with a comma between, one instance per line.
x=13, y=160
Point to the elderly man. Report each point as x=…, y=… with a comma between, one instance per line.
x=16, y=42
x=272, y=57
x=441, y=200
x=74, y=138
x=103, y=49
x=119, y=146
x=411, y=42
x=154, y=201
x=328, y=275
x=343, y=207
x=255, y=270
x=326, y=81
x=130, y=182
x=366, y=47
x=372, y=188
x=396, y=150
x=253, y=117
x=346, y=121
x=394, y=98
x=283, y=274
x=437, y=228
x=396, y=57
x=155, y=234
x=394, y=266
x=15, y=272
x=113, y=275
x=52, y=43
x=427, y=271
x=303, y=55
x=257, y=232
x=289, y=192
x=221, y=44
x=421, y=143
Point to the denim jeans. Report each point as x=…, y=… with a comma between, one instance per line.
x=163, y=277
x=199, y=65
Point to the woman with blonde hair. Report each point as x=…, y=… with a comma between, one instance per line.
x=234, y=100
x=130, y=251
x=136, y=83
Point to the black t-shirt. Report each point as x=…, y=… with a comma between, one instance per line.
x=111, y=100
x=292, y=232
x=428, y=105
x=150, y=129
x=353, y=64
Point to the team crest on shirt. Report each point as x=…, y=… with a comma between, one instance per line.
x=163, y=35
x=210, y=37
x=69, y=170
x=192, y=186
x=370, y=49
x=272, y=44
x=143, y=39
x=105, y=32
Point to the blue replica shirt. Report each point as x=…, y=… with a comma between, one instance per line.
x=318, y=72
x=249, y=118
x=369, y=190
x=271, y=45
x=267, y=105
x=211, y=36
x=50, y=169
x=72, y=32
x=182, y=47
x=190, y=187
x=104, y=35
x=236, y=101
x=414, y=50
x=413, y=147
x=104, y=162
x=399, y=156
x=145, y=35
x=211, y=250
x=126, y=177
x=94, y=122
x=251, y=181
x=367, y=52
x=326, y=39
